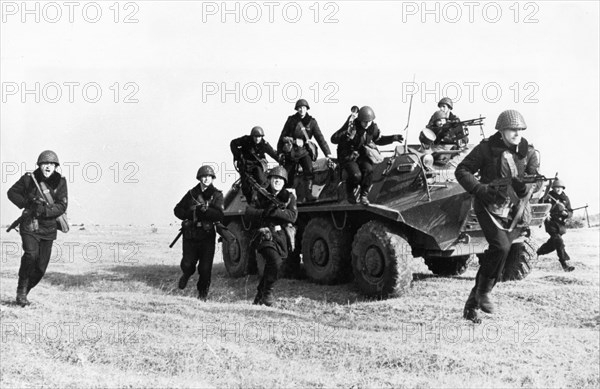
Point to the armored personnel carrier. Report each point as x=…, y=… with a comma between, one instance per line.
x=417, y=209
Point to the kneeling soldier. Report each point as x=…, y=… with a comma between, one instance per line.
x=274, y=209
x=38, y=224
x=200, y=209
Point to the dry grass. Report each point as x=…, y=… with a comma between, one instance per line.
x=119, y=321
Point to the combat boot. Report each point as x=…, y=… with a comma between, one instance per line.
x=267, y=298
x=202, y=295
x=567, y=267
x=350, y=194
x=258, y=298
x=470, y=310
x=22, y=292
x=183, y=280
x=364, y=194
x=309, y=187
x=482, y=294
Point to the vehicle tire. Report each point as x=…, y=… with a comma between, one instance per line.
x=447, y=266
x=519, y=260
x=236, y=254
x=326, y=252
x=381, y=261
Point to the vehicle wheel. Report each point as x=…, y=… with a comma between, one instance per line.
x=236, y=254
x=518, y=262
x=380, y=260
x=448, y=266
x=326, y=252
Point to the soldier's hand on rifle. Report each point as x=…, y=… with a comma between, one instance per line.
x=489, y=195
x=398, y=138
x=38, y=207
x=201, y=208
x=519, y=186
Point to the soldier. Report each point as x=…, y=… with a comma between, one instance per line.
x=504, y=154
x=295, y=149
x=200, y=208
x=249, y=155
x=352, y=142
x=555, y=225
x=274, y=209
x=445, y=105
x=38, y=226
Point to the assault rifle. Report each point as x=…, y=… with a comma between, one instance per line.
x=289, y=228
x=265, y=192
x=26, y=214
x=504, y=182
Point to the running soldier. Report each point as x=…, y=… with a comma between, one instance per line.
x=38, y=224
x=505, y=154
x=200, y=208
x=556, y=224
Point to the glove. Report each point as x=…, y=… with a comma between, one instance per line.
x=398, y=138
x=519, y=186
x=253, y=212
x=39, y=208
x=354, y=156
x=489, y=195
x=269, y=211
x=201, y=208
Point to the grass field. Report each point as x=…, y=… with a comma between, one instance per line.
x=108, y=314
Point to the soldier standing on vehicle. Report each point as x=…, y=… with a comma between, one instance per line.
x=273, y=210
x=200, y=208
x=38, y=225
x=295, y=148
x=556, y=224
x=354, y=143
x=504, y=154
x=249, y=156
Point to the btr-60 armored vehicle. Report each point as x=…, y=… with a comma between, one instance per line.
x=417, y=209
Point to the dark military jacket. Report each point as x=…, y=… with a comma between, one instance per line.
x=363, y=136
x=24, y=191
x=190, y=207
x=252, y=153
x=312, y=130
x=266, y=214
x=486, y=158
x=560, y=203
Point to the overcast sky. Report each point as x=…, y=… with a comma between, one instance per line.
x=135, y=97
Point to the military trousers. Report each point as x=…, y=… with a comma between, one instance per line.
x=255, y=171
x=360, y=172
x=200, y=252
x=35, y=259
x=271, y=272
x=491, y=265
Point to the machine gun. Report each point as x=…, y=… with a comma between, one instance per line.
x=457, y=131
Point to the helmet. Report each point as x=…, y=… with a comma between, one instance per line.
x=447, y=101
x=302, y=103
x=427, y=136
x=510, y=120
x=366, y=114
x=278, y=171
x=558, y=183
x=206, y=170
x=257, y=131
x=48, y=156
x=437, y=115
